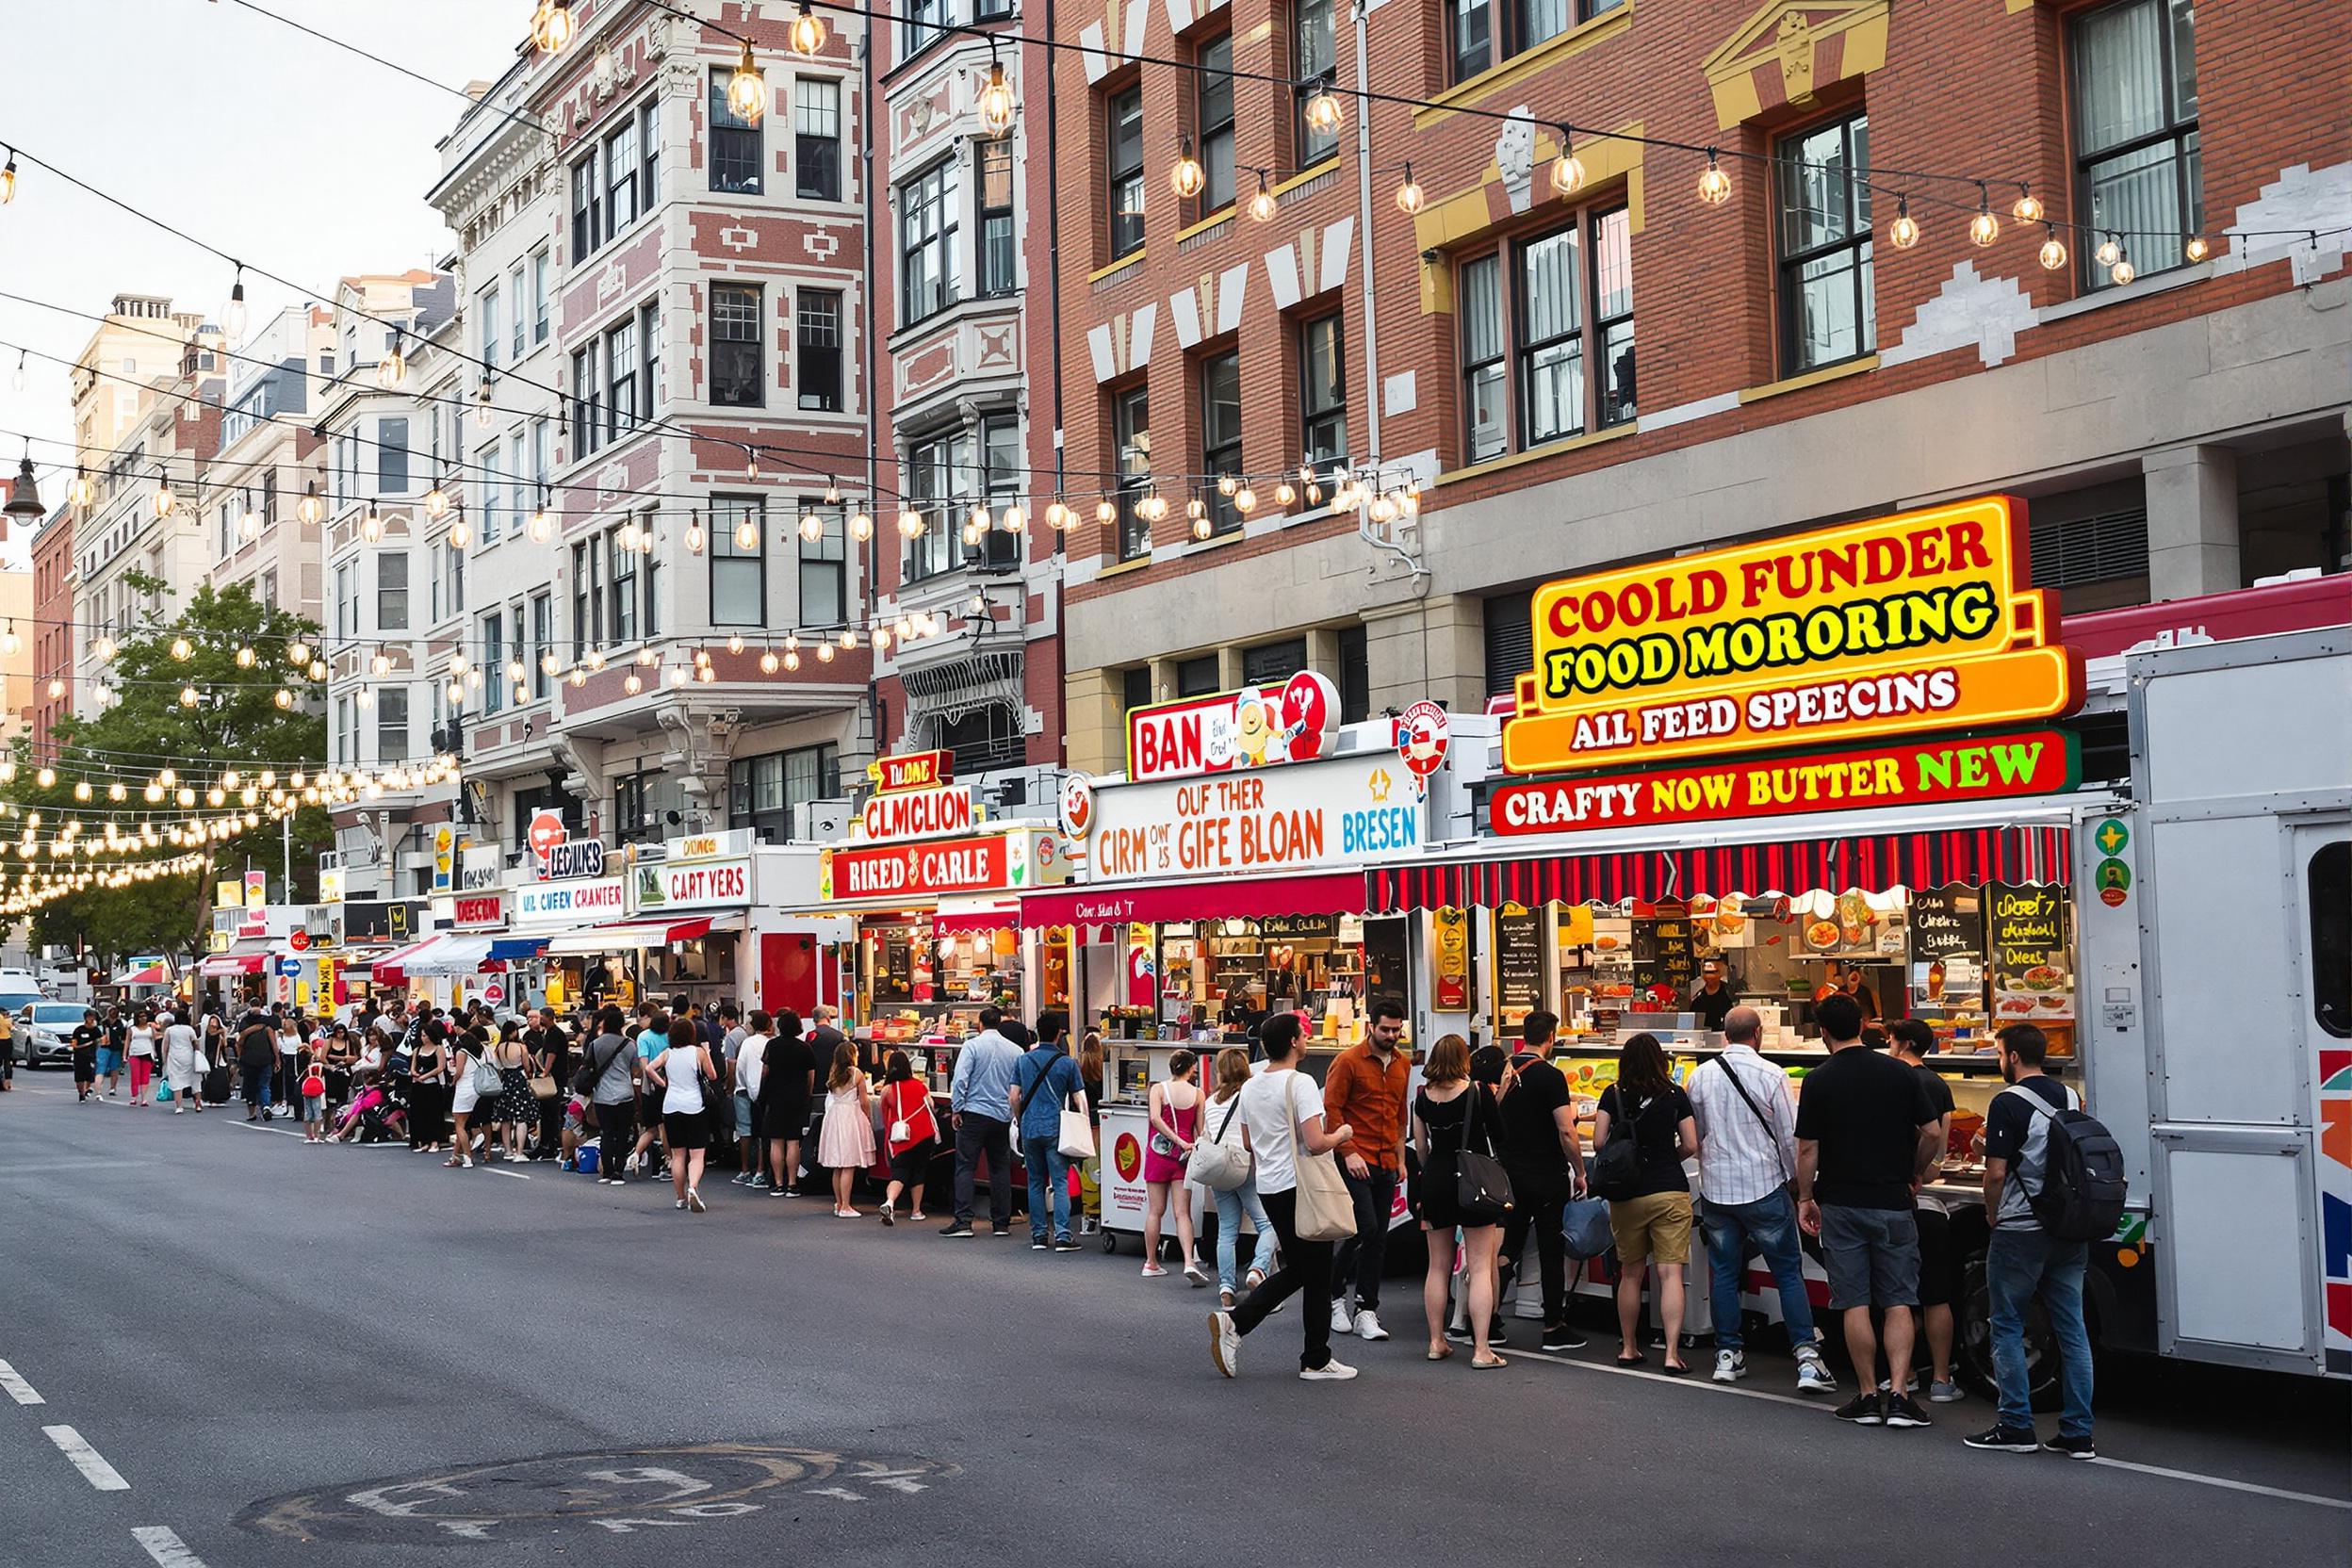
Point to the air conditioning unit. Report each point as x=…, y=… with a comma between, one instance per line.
x=820, y=820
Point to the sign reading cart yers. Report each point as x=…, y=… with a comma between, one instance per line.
x=1920, y=621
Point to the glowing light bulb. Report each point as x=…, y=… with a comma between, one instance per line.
x=2122, y=271
x=811, y=527
x=7, y=180
x=541, y=528
x=1568, y=171
x=392, y=369
x=45, y=778
x=232, y=319
x=1105, y=510
x=245, y=658
x=181, y=649
x=1323, y=113
x=1714, y=186
x=311, y=508
x=9, y=641
x=996, y=100
x=1245, y=499
x=693, y=535
x=115, y=791
x=2029, y=207
x=824, y=653
x=81, y=492
x=1013, y=522
x=82, y=791
x=436, y=502
x=188, y=697
x=2110, y=251
x=1283, y=494
x=791, y=660
x=1904, y=231
x=807, y=34
x=747, y=533
x=1411, y=198
x=551, y=27
x=2053, y=251
x=461, y=534
x=734, y=643
x=283, y=698
x=2196, y=249
x=1263, y=206
x=163, y=501
x=1186, y=176
x=483, y=409
x=747, y=92
x=860, y=527
x=1983, y=229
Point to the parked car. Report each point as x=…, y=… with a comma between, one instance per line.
x=44, y=1033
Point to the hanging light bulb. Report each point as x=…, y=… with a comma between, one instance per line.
x=2029, y=207
x=1013, y=522
x=824, y=653
x=2110, y=251
x=1245, y=499
x=372, y=528
x=482, y=408
x=2196, y=249
x=768, y=662
x=1263, y=205
x=791, y=660
x=380, y=664
x=458, y=666
x=630, y=684
x=245, y=658
x=248, y=526
x=1186, y=176
x=233, y=316
x=461, y=534
x=7, y=180
x=647, y=658
x=311, y=508
x=996, y=98
x=1904, y=231
x=551, y=27
x=81, y=492
x=46, y=778
x=1105, y=510
x=1568, y=173
x=393, y=367
x=860, y=527
x=104, y=648
x=1283, y=494
x=188, y=697
x=2122, y=271
x=747, y=533
x=1199, y=528
x=811, y=527
x=181, y=649
x=2053, y=251
x=115, y=791
x=911, y=523
x=57, y=689
x=578, y=676
x=679, y=674
x=82, y=792
x=693, y=535
x=541, y=528
x=436, y=502
x=1323, y=113
x=1411, y=198
x=1057, y=516
x=163, y=501
x=747, y=92
x=807, y=34
x=1714, y=186
x=1983, y=229
x=10, y=643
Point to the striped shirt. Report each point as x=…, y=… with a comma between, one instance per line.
x=1739, y=1162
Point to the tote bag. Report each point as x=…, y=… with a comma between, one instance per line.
x=1326, y=1211
x=1217, y=1164
x=1077, y=1132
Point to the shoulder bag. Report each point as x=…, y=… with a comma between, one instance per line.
x=1616, y=1171
x=1762, y=1120
x=584, y=1081
x=1217, y=1164
x=489, y=1083
x=1077, y=1130
x=1481, y=1188
x=1325, y=1210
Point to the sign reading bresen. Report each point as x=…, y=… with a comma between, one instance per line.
x=704, y=882
x=1350, y=808
x=917, y=814
x=1920, y=621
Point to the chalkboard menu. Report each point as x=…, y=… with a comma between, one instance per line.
x=1297, y=927
x=1947, y=923
x=2027, y=946
x=1518, y=965
x=1662, y=951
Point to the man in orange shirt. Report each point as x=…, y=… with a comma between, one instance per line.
x=1367, y=1091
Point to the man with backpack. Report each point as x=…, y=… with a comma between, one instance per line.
x=2044, y=1162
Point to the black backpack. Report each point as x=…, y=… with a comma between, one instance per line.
x=2081, y=1193
x=1615, y=1171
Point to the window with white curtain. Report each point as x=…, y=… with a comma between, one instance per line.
x=2138, y=170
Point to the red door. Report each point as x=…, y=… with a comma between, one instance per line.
x=788, y=972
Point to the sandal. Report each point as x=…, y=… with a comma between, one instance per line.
x=1676, y=1368
x=1634, y=1360
x=1489, y=1364
x=1439, y=1352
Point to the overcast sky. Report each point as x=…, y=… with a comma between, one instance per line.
x=278, y=147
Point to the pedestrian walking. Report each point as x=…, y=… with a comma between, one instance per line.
x=1911, y=1042
x=612, y=1070
x=183, y=1066
x=1649, y=1225
x=517, y=1106
x=1747, y=1157
x=1222, y=1123
x=1452, y=1113
x=845, y=1139
x=787, y=1087
x=1366, y=1088
x=747, y=1061
x=466, y=1097
x=1175, y=1112
x=912, y=1134
x=142, y=1055
x=1283, y=1120
x=256, y=1059
x=113, y=1055
x=980, y=1112
x=1544, y=1159
x=2023, y=1263
x=86, y=1035
x=1047, y=1080
x=1865, y=1132
x=653, y=1038
x=688, y=1079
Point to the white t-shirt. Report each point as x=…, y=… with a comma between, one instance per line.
x=1273, y=1103
x=750, y=1058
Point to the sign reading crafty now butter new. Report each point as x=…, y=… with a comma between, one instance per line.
x=1350, y=808
x=2042, y=762
x=912, y=770
x=917, y=813
x=589, y=899
x=985, y=862
x=1248, y=729
x=1920, y=621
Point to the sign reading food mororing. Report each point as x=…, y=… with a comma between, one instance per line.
x=2038, y=762
x=1920, y=621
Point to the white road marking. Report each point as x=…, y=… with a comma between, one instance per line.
x=517, y=1174
x=166, y=1547
x=2226, y=1483
x=19, y=1390
x=265, y=1127
x=92, y=1465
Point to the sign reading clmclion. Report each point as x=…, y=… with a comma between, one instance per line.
x=1920, y=621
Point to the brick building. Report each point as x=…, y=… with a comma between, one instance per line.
x=2178, y=433
x=54, y=630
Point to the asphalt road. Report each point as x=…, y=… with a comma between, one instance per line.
x=245, y=1351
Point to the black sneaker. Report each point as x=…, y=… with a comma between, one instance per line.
x=2074, y=1448
x=1460, y=1333
x=1562, y=1337
x=1863, y=1410
x=1903, y=1411
x=1065, y=1244
x=957, y=1228
x=2006, y=1440
x=1000, y=1230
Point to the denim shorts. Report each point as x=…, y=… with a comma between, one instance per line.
x=742, y=1114
x=1873, y=1256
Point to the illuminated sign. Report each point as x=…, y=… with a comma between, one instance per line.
x=987, y=862
x=917, y=813
x=585, y=900
x=709, y=846
x=1917, y=773
x=704, y=882
x=444, y=857
x=912, y=770
x=572, y=857
x=1920, y=621
x=477, y=909
x=1256, y=726
x=1350, y=809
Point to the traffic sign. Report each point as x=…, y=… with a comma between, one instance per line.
x=299, y=940
x=289, y=967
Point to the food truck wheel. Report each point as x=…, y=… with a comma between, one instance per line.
x=1972, y=1341
x=1110, y=1239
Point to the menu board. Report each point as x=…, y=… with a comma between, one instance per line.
x=1662, y=951
x=2028, y=948
x=1947, y=923
x=1518, y=965
x=1299, y=927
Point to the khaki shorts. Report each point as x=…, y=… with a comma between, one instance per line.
x=1655, y=1228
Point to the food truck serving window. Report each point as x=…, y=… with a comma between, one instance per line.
x=2327, y=884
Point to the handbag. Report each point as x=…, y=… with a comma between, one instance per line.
x=313, y=1086
x=542, y=1085
x=1077, y=1132
x=1325, y=1210
x=1617, y=1167
x=1481, y=1187
x=488, y=1082
x=584, y=1081
x=900, y=1131
x=1584, y=1227
x=1220, y=1166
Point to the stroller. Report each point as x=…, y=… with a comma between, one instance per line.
x=377, y=1111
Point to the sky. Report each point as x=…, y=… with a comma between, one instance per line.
x=282, y=150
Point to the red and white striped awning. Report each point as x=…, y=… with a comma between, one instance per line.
x=626, y=935
x=220, y=966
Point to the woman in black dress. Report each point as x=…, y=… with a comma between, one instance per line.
x=1449, y=1104
x=788, y=1077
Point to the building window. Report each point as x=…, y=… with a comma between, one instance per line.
x=1214, y=114
x=346, y=601
x=392, y=725
x=1471, y=26
x=926, y=227
x=392, y=591
x=925, y=21
x=1828, y=311
x=981, y=738
x=620, y=576
x=1135, y=687
x=1123, y=122
x=587, y=599
x=634, y=817
x=2137, y=164
x=620, y=369
x=1001, y=486
x=824, y=568
x=1485, y=395
x=817, y=138
x=934, y=467
x=1220, y=432
x=739, y=574
x=1560, y=311
x=542, y=646
x=346, y=732
x=493, y=671
x=1355, y=675
x=539, y=296
x=996, y=217
x=1200, y=675
x=1551, y=343
x=1323, y=391
x=391, y=457
x=1610, y=236
x=763, y=791
x=587, y=403
x=991, y=10
x=615, y=183
x=819, y=331
x=1269, y=662
x=514, y=292
x=1130, y=438
x=648, y=362
x=452, y=586
x=1314, y=59
x=487, y=308
x=735, y=151
x=738, y=367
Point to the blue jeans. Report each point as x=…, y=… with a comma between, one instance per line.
x=1049, y=1180
x=1230, y=1206
x=1768, y=1226
x=2020, y=1265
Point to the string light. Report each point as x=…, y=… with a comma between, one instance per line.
x=541, y=527
x=1186, y=176
x=81, y=492
x=393, y=367
x=551, y=27
x=461, y=534
x=1568, y=173
x=1323, y=111
x=860, y=527
x=1983, y=229
x=436, y=502
x=807, y=34
x=2053, y=251
x=996, y=97
x=811, y=527
x=163, y=501
x=311, y=509
x=747, y=92
x=2122, y=271
x=7, y=180
x=371, y=527
x=1263, y=205
x=483, y=407
x=1904, y=231
x=2109, y=253
x=181, y=649
x=747, y=531
x=2196, y=249
x=768, y=662
x=1410, y=196
x=2029, y=207
x=1714, y=186
x=233, y=316
x=10, y=643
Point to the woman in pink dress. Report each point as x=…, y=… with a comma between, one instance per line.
x=1175, y=1111
x=845, y=1139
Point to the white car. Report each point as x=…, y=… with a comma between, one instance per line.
x=44, y=1033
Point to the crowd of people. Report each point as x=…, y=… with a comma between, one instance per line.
x=651, y=1093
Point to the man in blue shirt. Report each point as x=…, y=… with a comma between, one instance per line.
x=979, y=1101
x=1048, y=1078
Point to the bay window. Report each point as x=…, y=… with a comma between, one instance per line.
x=926, y=242
x=996, y=217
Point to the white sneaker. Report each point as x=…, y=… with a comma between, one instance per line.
x=1368, y=1325
x=1343, y=1322
x=1224, y=1342
x=1330, y=1371
x=1813, y=1376
x=1730, y=1366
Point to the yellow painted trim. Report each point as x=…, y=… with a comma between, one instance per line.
x=1315, y=173
x=1536, y=454
x=1122, y=265
x=1222, y=215
x=1783, y=32
x=1811, y=378
x=1215, y=542
x=2016, y=5
x=1138, y=565
x=1464, y=216
x=1476, y=89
